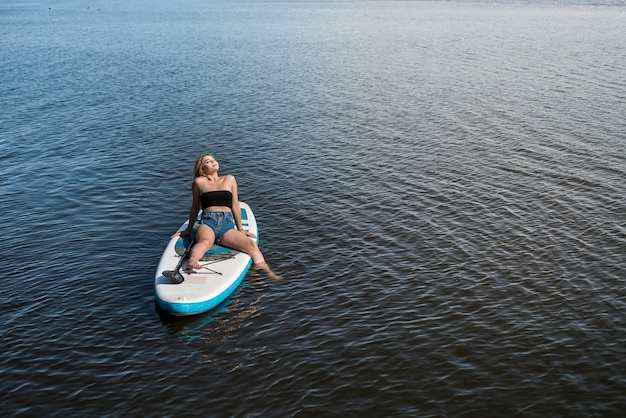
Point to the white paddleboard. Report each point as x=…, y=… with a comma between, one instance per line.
x=222, y=272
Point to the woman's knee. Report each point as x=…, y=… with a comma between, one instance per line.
x=251, y=245
x=206, y=242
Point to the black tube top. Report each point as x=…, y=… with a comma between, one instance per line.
x=217, y=198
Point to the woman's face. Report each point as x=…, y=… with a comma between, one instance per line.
x=209, y=164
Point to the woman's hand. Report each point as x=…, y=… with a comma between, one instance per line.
x=180, y=233
x=249, y=234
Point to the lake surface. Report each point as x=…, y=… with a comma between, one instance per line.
x=441, y=184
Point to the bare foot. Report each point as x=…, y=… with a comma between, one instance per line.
x=263, y=266
x=193, y=265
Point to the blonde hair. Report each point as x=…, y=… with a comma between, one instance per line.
x=198, y=167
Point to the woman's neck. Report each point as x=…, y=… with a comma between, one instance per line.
x=212, y=177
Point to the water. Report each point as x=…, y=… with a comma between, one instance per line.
x=440, y=184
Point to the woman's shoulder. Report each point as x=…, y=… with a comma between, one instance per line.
x=199, y=183
x=229, y=179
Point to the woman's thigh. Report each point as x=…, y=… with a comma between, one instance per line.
x=237, y=240
x=205, y=233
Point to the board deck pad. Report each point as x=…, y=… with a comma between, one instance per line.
x=213, y=253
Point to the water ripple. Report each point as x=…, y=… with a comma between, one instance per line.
x=440, y=186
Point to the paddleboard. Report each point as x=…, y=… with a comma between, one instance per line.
x=223, y=270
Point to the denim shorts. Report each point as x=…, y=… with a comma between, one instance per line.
x=219, y=222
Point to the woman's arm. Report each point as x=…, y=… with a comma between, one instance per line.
x=195, y=207
x=235, y=204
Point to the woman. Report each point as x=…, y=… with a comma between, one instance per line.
x=221, y=216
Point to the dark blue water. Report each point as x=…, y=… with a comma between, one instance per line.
x=440, y=183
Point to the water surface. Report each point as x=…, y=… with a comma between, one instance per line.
x=440, y=184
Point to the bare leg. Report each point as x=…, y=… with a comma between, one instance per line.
x=240, y=241
x=204, y=240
